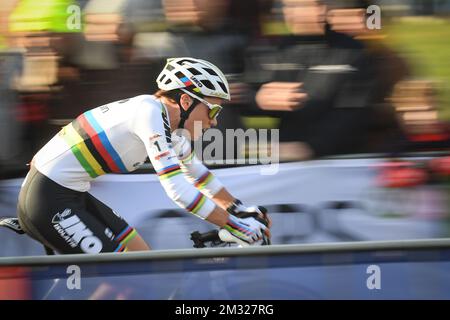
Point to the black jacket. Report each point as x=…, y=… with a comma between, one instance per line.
x=337, y=75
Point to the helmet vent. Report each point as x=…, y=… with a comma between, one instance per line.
x=208, y=84
x=224, y=88
x=194, y=71
x=211, y=72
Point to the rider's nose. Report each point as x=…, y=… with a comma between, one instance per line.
x=213, y=122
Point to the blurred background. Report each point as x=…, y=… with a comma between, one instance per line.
x=334, y=76
x=339, y=79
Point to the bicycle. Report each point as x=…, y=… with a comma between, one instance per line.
x=212, y=238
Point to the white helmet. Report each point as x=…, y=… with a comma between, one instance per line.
x=205, y=77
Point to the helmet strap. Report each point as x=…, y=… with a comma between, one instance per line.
x=184, y=114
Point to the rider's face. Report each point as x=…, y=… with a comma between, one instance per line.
x=201, y=114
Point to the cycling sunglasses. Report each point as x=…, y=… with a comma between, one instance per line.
x=214, y=109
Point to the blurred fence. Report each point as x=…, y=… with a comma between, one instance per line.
x=369, y=270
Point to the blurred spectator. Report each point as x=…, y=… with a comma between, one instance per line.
x=42, y=31
x=386, y=132
x=408, y=115
x=32, y=112
x=11, y=64
x=5, y=10
x=416, y=104
x=347, y=20
x=320, y=83
x=10, y=129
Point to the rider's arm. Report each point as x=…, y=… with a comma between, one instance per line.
x=151, y=126
x=199, y=175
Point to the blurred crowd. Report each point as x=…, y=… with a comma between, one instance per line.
x=311, y=68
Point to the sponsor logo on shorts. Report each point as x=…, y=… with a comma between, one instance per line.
x=75, y=233
x=109, y=233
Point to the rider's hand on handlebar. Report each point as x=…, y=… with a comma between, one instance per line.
x=257, y=212
x=248, y=230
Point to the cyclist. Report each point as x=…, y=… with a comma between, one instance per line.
x=55, y=206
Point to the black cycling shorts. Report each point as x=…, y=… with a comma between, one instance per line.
x=69, y=221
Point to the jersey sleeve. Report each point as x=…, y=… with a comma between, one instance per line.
x=195, y=171
x=150, y=124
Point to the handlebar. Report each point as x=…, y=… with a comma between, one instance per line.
x=212, y=239
x=222, y=238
